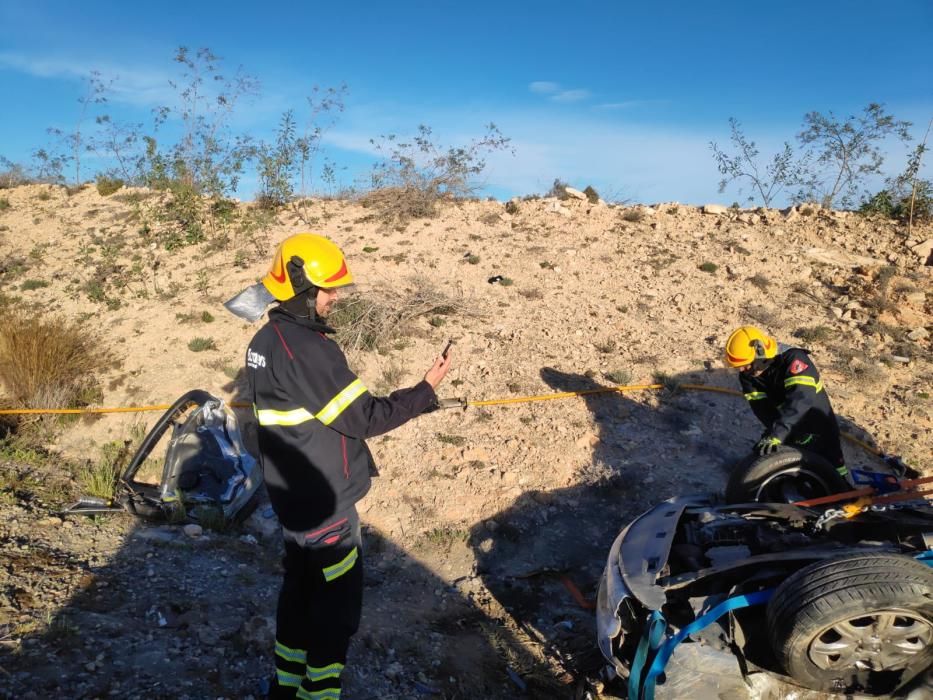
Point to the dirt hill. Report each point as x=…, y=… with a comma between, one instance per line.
x=483, y=514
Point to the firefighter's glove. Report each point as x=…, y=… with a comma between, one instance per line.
x=767, y=445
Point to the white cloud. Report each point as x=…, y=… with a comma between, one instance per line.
x=135, y=86
x=544, y=87
x=570, y=95
x=556, y=93
x=628, y=104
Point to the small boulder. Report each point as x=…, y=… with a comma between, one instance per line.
x=576, y=194
x=924, y=251
x=717, y=209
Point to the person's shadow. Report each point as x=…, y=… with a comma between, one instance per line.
x=542, y=556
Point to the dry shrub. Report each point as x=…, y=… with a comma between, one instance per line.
x=376, y=319
x=399, y=205
x=48, y=362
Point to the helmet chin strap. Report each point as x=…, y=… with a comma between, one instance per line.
x=303, y=305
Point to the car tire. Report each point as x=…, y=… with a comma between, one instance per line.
x=785, y=476
x=860, y=623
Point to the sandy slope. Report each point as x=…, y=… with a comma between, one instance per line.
x=596, y=290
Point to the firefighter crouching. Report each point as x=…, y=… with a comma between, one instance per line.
x=314, y=414
x=784, y=390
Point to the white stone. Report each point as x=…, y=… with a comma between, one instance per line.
x=193, y=530
x=715, y=209
x=923, y=250
x=919, y=333
x=571, y=192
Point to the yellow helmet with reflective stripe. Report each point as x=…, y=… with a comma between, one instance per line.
x=303, y=260
x=747, y=344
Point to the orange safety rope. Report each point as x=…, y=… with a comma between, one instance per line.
x=489, y=402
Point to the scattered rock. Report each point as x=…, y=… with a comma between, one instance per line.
x=920, y=333
x=193, y=530
x=717, y=209
x=576, y=194
x=924, y=251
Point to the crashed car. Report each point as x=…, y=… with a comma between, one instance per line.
x=831, y=603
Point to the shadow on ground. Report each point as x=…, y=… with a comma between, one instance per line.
x=110, y=607
x=542, y=556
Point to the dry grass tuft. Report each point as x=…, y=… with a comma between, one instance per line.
x=48, y=362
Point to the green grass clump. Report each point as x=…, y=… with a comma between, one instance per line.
x=201, y=344
x=29, y=285
x=619, y=376
x=709, y=267
x=814, y=334
x=108, y=185
x=456, y=440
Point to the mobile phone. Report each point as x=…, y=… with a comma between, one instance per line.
x=447, y=349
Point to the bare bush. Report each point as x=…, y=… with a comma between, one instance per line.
x=414, y=176
x=374, y=320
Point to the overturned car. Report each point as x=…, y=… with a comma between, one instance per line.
x=838, y=604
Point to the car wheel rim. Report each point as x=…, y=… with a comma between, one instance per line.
x=791, y=486
x=887, y=640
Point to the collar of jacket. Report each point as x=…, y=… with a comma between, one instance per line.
x=279, y=315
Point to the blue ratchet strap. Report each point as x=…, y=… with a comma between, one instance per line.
x=925, y=558
x=666, y=650
x=882, y=483
x=650, y=641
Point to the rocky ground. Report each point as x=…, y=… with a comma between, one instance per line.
x=485, y=519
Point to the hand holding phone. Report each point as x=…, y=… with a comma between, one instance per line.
x=439, y=370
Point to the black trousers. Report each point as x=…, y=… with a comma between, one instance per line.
x=827, y=446
x=319, y=608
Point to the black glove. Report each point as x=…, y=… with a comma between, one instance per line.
x=767, y=445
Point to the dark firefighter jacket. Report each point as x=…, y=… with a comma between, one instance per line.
x=788, y=397
x=313, y=415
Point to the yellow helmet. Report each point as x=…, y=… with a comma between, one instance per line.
x=747, y=344
x=303, y=260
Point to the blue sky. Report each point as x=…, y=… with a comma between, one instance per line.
x=622, y=96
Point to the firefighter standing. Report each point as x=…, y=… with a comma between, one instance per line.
x=784, y=390
x=313, y=414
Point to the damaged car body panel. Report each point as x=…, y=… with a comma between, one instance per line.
x=688, y=561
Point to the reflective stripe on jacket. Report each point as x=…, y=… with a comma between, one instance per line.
x=789, y=399
x=313, y=414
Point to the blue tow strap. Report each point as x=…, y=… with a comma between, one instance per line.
x=650, y=641
x=656, y=628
